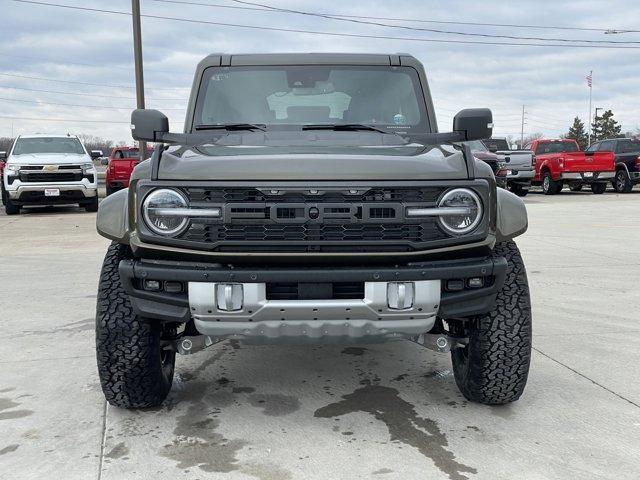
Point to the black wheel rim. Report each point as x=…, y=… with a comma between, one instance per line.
x=620, y=181
x=545, y=183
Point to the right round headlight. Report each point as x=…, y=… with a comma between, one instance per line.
x=469, y=207
x=161, y=211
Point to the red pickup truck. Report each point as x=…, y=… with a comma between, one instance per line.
x=121, y=163
x=560, y=161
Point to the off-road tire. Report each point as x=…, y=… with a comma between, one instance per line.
x=10, y=208
x=135, y=372
x=549, y=185
x=92, y=206
x=518, y=190
x=622, y=182
x=576, y=188
x=109, y=190
x=493, y=367
x=598, y=188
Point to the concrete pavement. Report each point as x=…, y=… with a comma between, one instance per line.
x=382, y=412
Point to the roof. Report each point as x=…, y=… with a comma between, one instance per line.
x=48, y=135
x=256, y=59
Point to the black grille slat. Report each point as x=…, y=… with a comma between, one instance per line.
x=50, y=177
x=291, y=291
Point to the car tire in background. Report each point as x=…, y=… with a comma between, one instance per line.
x=518, y=190
x=135, y=370
x=92, y=206
x=622, y=182
x=109, y=190
x=549, y=185
x=10, y=208
x=576, y=188
x=494, y=365
x=598, y=188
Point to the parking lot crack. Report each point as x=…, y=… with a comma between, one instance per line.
x=103, y=440
x=621, y=397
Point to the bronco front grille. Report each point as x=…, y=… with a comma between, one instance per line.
x=319, y=218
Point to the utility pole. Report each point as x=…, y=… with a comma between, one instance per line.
x=522, y=130
x=590, y=84
x=137, y=55
x=595, y=119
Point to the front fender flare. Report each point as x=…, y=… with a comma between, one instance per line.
x=112, y=218
x=512, y=216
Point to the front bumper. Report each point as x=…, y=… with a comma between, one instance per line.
x=584, y=178
x=368, y=317
x=34, y=193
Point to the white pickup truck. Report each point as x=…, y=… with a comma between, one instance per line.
x=49, y=170
x=519, y=164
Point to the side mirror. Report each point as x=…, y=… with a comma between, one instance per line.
x=95, y=154
x=148, y=125
x=3, y=155
x=474, y=123
x=104, y=161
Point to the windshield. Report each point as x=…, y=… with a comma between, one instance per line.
x=477, y=146
x=385, y=96
x=495, y=144
x=48, y=145
x=628, y=146
x=556, y=147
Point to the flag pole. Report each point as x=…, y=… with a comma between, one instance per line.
x=590, y=91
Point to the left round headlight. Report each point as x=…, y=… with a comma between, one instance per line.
x=469, y=206
x=162, y=211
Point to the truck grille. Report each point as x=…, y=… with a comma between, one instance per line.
x=50, y=177
x=303, y=220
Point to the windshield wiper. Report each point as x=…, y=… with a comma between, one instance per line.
x=346, y=127
x=233, y=127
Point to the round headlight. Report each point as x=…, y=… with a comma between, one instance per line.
x=161, y=211
x=468, y=204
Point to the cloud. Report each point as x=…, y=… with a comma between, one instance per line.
x=97, y=48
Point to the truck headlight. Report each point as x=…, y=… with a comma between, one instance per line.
x=459, y=224
x=88, y=168
x=12, y=169
x=164, y=211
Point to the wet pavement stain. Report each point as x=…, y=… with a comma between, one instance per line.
x=9, y=449
x=382, y=471
x=355, y=351
x=120, y=450
x=267, y=471
x=275, y=405
x=88, y=324
x=6, y=404
x=243, y=390
x=197, y=443
x=403, y=423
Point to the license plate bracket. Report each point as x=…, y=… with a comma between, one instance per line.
x=51, y=192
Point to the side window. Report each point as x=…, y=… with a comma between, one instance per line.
x=593, y=148
x=118, y=154
x=606, y=146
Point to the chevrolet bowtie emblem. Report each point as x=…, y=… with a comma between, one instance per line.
x=50, y=168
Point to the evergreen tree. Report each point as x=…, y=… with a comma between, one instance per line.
x=605, y=127
x=577, y=132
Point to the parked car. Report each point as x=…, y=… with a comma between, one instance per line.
x=121, y=162
x=560, y=161
x=3, y=162
x=518, y=163
x=498, y=167
x=49, y=170
x=282, y=215
x=626, y=153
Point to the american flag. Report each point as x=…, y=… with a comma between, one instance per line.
x=589, y=80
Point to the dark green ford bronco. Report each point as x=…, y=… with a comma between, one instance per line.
x=311, y=199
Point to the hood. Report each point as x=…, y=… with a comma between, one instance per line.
x=215, y=162
x=49, y=158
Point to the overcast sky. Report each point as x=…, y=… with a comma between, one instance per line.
x=91, y=47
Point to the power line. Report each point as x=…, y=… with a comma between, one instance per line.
x=79, y=94
x=414, y=20
x=420, y=29
x=15, y=75
x=77, y=105
x=331, y=34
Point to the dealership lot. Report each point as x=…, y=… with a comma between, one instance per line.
x=389, y=411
